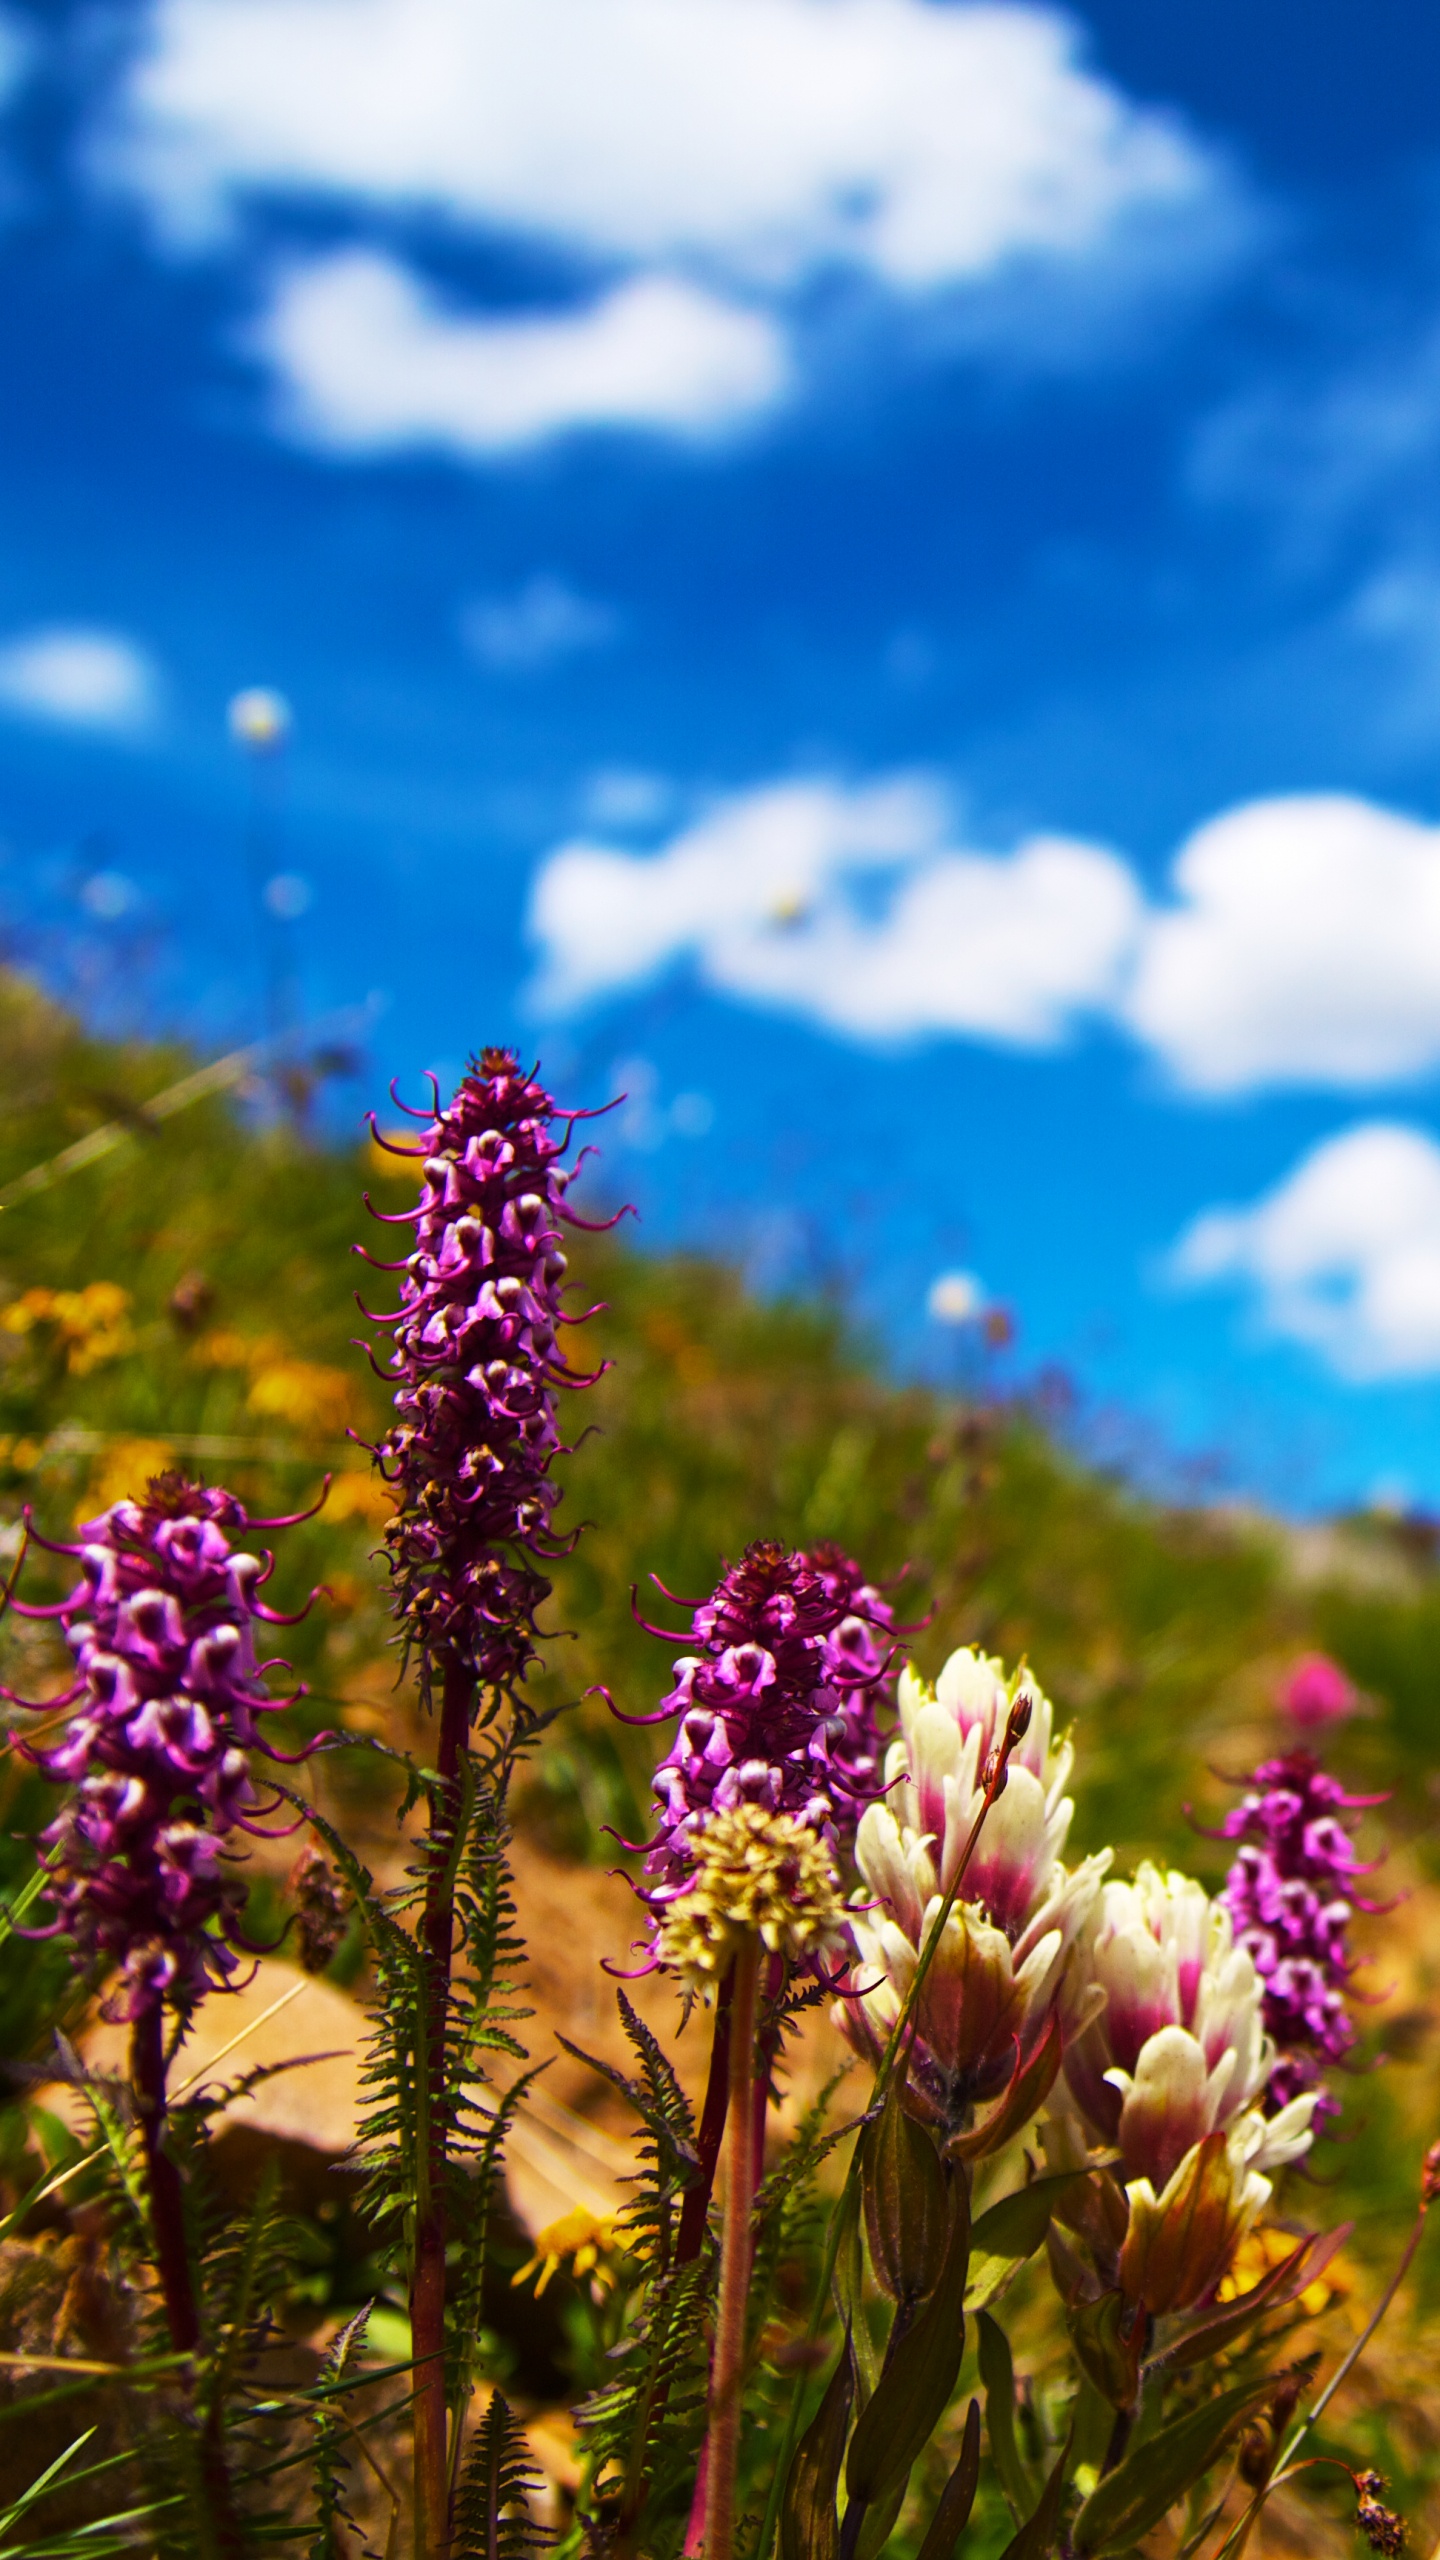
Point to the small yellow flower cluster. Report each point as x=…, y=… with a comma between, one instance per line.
x=584, y=2243
x=305, y=1394
x=755, y=1871
x=125, y=1466
x=89, y=1325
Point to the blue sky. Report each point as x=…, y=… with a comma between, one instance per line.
x=867, y=569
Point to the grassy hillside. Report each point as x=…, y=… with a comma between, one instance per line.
x=188, y=1298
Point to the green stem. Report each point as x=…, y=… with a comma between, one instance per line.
x=427, y=2278
x=722, y=2443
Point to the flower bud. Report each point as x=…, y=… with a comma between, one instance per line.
x=907, y=2210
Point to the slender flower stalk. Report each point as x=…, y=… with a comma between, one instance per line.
x=723, y=2439
x=476, y=1365
x=763, y=1884
x=166, y=1706
x=778, y=1706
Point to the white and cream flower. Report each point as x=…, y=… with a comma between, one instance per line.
x=995, y=1979
x=1171, y=2071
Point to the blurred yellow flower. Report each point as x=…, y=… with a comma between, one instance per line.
x=123, y=1473
x=382, y=1166
x=303, y=1393
x=360, y=1494
x=580, y=2240
x=89, y=1325
x=225, y=1349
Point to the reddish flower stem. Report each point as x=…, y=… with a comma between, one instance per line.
x=427, y=2279
x=172, y=2260
x=722, y=2443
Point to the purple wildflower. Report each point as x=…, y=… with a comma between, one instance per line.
x=476, y=1364
x=777, y=1705
x=1290, y=1896
x=168, y=1694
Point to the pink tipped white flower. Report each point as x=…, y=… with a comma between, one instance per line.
x=1177, y=2055
x=995, y=1978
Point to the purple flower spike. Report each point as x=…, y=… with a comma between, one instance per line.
x=167, y=1699
x=476, y=1365
x=1291, y=1899
x=777, y=1705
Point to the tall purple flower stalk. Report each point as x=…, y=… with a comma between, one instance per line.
x=476, y=1364
x=1291, y=1897
x=167, y=1699
x=777, y=1704
x=778, y=1708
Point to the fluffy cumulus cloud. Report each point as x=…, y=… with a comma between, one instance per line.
x=366, y=360
x=709, y=158
x=71, y=677
x=1298, y=943
x=853, y=907
x=1303, y=948
x=766, y=138
x=1343, y=1255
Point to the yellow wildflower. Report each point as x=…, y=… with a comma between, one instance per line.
x=89, y=1325
x=580, y=2240
x=755, y=1871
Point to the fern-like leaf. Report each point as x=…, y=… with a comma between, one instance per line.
x=332, y=2435
x=493, y=2515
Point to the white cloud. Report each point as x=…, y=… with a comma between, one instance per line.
x=1304, y=949
x=850, y=907
x=72, y=677
x=1300, y=945
x=707, y=160
x=542, y=623
x=368, y=361
x=1343, y=1255
x=759, y=138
